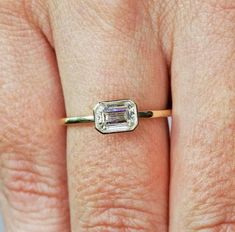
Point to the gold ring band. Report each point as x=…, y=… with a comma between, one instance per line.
x=116, y=116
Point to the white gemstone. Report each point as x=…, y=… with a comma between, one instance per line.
x=116, y=116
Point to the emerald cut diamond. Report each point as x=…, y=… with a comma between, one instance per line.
x=115, y=116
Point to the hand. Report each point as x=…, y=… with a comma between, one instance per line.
x=105, y=50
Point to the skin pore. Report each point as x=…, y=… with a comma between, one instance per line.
x=60, y=58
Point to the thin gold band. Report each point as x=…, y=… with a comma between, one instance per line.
x=142, y=114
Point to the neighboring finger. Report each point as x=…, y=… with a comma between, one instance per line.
x=106, y=51
x=33, y=190
x=203, y=87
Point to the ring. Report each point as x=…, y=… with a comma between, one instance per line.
x=116, y=116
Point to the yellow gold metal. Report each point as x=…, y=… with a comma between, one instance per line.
x=143, y=114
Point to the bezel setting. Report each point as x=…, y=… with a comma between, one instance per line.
x=115, y=116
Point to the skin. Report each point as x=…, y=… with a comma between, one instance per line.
x=60, y=58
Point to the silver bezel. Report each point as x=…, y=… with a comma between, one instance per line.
x=105, y=103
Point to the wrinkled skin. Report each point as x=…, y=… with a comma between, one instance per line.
x=61, y=57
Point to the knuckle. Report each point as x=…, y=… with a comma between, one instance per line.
x=32, y=175
x=117, y=18
x=27, y=184
x=214, y=210
x=31, y=195
x=217, y=226
x=113, y=198
x=19, y=19
x=117, y=207
x=212, y=185
x=120, y=215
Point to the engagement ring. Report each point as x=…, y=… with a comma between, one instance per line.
x=116, y=116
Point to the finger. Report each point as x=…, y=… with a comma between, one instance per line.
x=109, y=51
x=33, y=192
x=203, y=184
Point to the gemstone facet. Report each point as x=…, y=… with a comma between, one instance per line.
x=115, y=116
